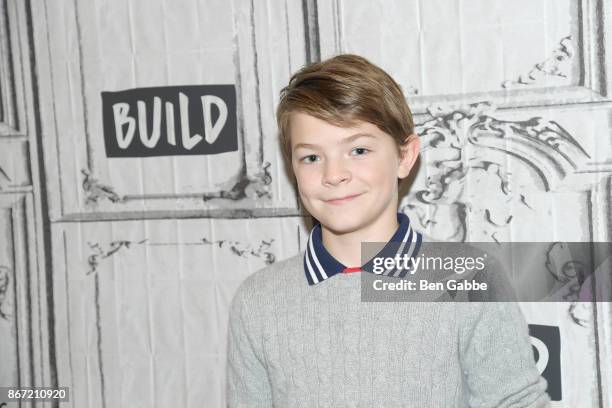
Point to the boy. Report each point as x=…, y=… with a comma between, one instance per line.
x=299, y=335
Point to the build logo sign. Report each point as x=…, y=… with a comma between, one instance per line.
x=170, y=121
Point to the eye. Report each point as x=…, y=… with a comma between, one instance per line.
x=311, y=158
x=359, y=151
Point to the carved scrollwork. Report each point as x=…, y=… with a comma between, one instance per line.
x=261, y=250
x=580, y=276
x=236, y=248
x=96, y=191
x=557, y=65
x=467, y=142
x=255, y=186
x=100, y=253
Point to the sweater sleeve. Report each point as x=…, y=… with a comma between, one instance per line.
x=247, y=378
x=497, y=359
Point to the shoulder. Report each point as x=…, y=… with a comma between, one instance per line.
x=266, y=282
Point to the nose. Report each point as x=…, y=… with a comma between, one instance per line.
x=335, y=172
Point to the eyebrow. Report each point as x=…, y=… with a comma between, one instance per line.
x=346, y=140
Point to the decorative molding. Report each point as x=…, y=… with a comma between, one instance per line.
x=468, y=140
x=578, y=64
x=249, y=173
x=96, y=191
x=9, y=55
x=244, y=250
x=5, y=277
x=565, y=273
x=255, y=186
x=250, y=187
x=603, y=335
x=557, y=65
x=16, y=173
x=311, y=31
x=3, y=178
x=23, y=294
x=93, y=260
x=236, y=248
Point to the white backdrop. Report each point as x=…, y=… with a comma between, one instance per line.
x=116, y=273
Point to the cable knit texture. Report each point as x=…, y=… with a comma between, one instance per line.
x=295, y=345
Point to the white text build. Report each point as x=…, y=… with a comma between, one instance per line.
x=165, y=121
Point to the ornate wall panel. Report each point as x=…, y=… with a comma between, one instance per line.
x=14, y=145
x=142, y=306
x=26, y=345
x=525, y=175
x=543, y=52
x=87, y=47
x=23, y=339
x=511, y=101
x=511, y=175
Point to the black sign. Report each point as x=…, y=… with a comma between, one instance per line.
x=546, y=344
x=172, y=120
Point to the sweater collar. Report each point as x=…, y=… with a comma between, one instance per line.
x=320, y=265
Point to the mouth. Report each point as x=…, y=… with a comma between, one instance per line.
x=342, y=200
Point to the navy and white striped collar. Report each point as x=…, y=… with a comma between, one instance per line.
x=320, y=264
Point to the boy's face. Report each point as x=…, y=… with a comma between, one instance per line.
x=347, y=177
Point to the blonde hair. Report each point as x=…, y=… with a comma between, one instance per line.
x=342, y=91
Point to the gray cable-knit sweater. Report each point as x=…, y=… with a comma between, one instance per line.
x=294, y=345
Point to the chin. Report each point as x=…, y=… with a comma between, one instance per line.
x=340, y=225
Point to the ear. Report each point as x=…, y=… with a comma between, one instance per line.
x=409, y=152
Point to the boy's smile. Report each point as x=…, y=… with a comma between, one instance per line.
x=342, y=200
x=347, y=177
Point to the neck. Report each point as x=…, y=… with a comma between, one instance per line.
x=346, y=246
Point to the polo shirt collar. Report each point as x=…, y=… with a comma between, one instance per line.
x=320, y=265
